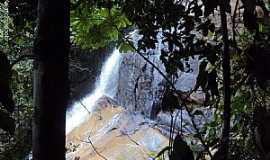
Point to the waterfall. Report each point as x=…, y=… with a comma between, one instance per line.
x=106, y=85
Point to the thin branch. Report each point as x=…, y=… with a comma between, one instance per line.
x=171, y=135
x=94, y=148
x=150, y=62
x=131, y=139
x=88, y=18
x=233, y=20
x=239, y=83
x=226, y=76
x=85, y=107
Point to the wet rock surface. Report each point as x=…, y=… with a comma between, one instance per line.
x=84, y=67
x=114, y=133
x=140, y=84
x=141, y=87
x=137, y=130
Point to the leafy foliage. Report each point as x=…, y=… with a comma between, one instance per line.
x=16, y=36
x=94, y=27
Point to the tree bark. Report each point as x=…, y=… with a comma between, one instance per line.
x=226, y=83
x=51, y=87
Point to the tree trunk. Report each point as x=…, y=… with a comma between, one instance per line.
x=226, y=83
x=51, y=88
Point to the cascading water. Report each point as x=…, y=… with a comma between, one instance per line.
x=106, y=85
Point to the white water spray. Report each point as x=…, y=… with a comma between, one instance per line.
x=106, y=85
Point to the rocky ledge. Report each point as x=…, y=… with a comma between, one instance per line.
x=113, y=133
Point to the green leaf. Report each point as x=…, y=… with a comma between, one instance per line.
x=125, y=47
x=97, y=27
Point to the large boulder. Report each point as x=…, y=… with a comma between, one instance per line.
x=112, y=132
x=141, y=86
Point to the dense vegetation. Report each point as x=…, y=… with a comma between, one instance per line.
x=230, y=38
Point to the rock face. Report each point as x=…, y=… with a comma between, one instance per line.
x=127, y=132
x=84, y=67
x=113, y=133
x=140, y=85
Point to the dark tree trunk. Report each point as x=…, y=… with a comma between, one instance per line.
x=224, y=149
x=51, y=88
